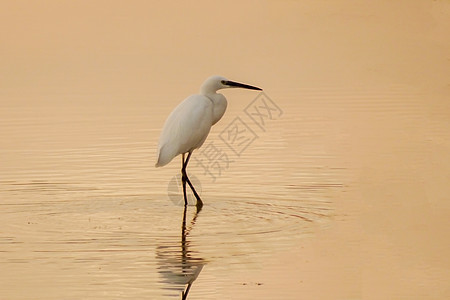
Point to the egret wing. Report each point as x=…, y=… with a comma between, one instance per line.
x=185, y=129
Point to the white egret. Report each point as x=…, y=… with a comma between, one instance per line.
x=189, y=124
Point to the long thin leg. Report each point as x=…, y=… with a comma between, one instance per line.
x=185, y=179
x=186, y=292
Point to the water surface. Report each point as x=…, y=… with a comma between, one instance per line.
x=338, y=191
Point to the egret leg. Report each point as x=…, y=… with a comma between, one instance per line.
x=186, y=292
x=185, y=179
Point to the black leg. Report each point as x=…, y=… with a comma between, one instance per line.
x=186, y=292
x=185, y=179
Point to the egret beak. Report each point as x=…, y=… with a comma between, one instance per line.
x=241, y=85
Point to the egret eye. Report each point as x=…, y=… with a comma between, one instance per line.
x=223, y=82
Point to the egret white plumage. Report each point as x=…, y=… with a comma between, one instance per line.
x=188, y=126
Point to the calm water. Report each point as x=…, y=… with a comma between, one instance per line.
x=86, y=214
x=332, y=185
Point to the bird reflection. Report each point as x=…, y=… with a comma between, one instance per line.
x=178, y=265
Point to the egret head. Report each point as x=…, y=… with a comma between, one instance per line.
x=215, y=83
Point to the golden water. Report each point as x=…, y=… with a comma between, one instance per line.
x=338, y=191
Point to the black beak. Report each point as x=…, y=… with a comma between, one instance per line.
x=241, y=85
